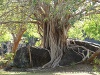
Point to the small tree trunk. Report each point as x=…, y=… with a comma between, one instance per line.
x=93, y=56
x=17, y=39
x=9, y=46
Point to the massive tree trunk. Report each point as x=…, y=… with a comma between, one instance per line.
x=17, y=39
x=54, y=28
x=55, y=40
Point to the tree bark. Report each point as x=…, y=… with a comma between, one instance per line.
x=93, y=56
x=17, y=39
x=55, y=39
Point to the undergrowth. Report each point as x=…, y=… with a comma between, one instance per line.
x=96, y=65
x=6, y=59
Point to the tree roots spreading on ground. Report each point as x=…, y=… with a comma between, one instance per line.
x=75, y=52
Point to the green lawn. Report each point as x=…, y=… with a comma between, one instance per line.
x=59, y=73
x=47, y=73
x=80, y=69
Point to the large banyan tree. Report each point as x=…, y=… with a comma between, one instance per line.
x=54, y=19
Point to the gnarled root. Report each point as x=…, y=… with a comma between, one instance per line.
x=88, y=51
x=56, y=55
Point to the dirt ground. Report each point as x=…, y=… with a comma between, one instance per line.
x=80, y=69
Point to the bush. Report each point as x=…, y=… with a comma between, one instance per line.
x=6, y=59
x=96, y=65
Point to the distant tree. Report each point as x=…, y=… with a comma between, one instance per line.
x=12, y=19
x=89, y=27
x=15, y=16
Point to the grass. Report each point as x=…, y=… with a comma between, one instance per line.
x=81, y=69
x=47, y=73
x=29, y=73
x=24, y=73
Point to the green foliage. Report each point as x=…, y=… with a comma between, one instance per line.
x=34, y=2
x=46, y=1
x=8, y=56
x=3, y=63
x=6, y=59
x=76, y=31
x=38, y=43
x=89, y=27
x=31, y=31
x=1, y=2
x=3, y=6
x=92, y=27
x=96, y=65
x=5, y=37
x=97, y=61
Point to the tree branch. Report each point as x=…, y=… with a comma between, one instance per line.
x=94, y=55
x=94, y=12
x=36, y=22
x=5, y=13
x=81, y=2
x=88, y=13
